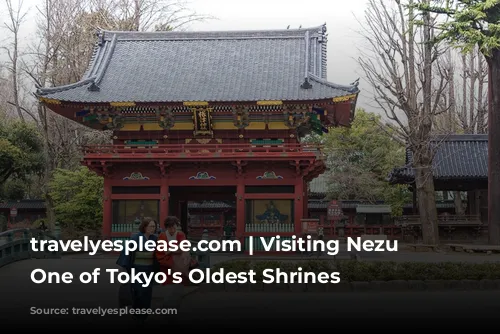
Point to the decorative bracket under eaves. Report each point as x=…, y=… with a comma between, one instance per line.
x=241, y=117
x=294, y=116
x=117, y=122
x=166, y=118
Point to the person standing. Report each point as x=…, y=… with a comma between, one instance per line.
x=141, y=262
x=177, y=261
x=228, y=231
x=321, y=236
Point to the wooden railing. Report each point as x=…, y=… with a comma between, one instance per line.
x=463, y=220
x=200, y=149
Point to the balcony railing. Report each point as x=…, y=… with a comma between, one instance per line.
x=201, y=149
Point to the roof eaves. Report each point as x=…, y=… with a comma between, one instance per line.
x=52, y=90
x=98, y=65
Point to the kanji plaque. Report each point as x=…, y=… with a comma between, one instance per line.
x=334, y=211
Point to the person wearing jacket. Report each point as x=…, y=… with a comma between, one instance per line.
x=141, y=262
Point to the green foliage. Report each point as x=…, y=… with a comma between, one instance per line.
x=472, y=22
x=77, y=197
x=38, y=223
x=360, y=159
x=3, y=223
x=358, y=271
x=21, y=150
x=315, y=123
x=13, y=190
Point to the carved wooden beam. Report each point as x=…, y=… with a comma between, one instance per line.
x=163, y=166
x=239, y=166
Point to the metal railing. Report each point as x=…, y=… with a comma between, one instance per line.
x=15, y=245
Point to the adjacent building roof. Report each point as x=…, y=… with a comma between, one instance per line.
x=373, y=208
x=318, y=187
x=456, y=157
x=205, y=66
x=25, y=204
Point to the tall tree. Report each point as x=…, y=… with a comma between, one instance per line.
x=477, y=23
x=146, y=15
x=16, y=17
x=361, y=157
x=466, y=101
x=66, y=31
x=400, y=62
x=77, y=197
x=21, y=150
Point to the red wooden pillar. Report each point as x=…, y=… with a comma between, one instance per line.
x=222, y=222
x=305, y=200
x=107, y=214
x=164, y=201
x=298, y=204
x=240, y=209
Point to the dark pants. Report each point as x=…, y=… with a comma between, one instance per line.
x=142, y=296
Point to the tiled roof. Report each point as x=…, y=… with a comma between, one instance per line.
x=456, y=157
x=205, y=66
x=318, y=187
x=26, y=204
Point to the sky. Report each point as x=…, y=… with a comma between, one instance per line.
x=341, y=18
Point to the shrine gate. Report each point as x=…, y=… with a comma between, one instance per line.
x=206, y=116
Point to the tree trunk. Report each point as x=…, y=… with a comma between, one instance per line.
x=457, y=200
x=494, y=147
x=424, y=179
x=51, y=215
x=426, y=196
x=481, y=121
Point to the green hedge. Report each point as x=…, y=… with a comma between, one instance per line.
x=351, y=271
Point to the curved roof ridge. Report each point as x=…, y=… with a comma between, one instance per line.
x=49, y=90
x=93, y=75
x=349, y=88
x=96, y=54
x=462, y=137
x=224, y=34
x=103, y=64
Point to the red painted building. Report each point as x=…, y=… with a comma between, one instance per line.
x=207, y=116
x=26, y=212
